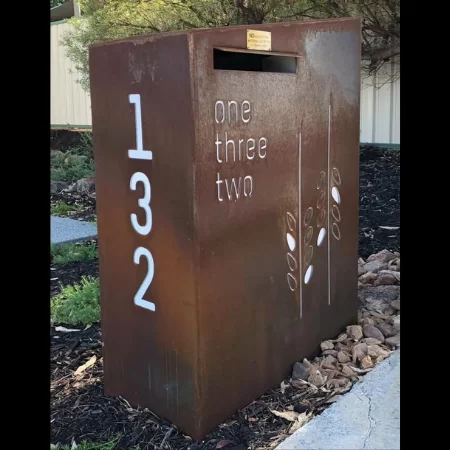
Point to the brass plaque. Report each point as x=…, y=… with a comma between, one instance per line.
x=259, y=40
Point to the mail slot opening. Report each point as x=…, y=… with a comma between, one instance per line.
x=254, y=62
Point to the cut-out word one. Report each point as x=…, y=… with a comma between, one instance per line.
x=232, y=112
x=144, y=203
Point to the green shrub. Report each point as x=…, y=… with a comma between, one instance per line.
x=62, y=209
x=74, y=164
x=65, y=253
x=77, y=303
x=110, y=445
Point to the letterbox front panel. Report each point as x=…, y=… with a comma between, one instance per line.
x=272, y=141
x=149, y=355
x=231, y=252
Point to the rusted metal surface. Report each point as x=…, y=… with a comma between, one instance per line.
x=233, y=233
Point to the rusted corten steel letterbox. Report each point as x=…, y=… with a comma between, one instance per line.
x=227, y=199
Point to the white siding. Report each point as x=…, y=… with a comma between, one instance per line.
x=71, y=105
x=380, y=107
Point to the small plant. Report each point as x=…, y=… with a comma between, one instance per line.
x=74, y=164
x=62, y=254
x=77, y=303
x=84, y=146
x=62, y=209
x=110, y=445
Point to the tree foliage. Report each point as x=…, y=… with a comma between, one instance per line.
x=111, y=19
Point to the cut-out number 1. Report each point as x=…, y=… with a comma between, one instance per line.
x=139, y=153
x=144, y=203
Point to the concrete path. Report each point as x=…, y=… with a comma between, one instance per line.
x=367, y=417
x=64, y=231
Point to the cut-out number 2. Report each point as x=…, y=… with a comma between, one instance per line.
x=144, y=203
x=138, y=298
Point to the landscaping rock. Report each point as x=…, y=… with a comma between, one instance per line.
x=343, y=357
x=370, y=331
x=359, y=351
x=366, y=321
x=396, y=322
x=368, y=278
x=361, y=270
x=385, y=279
x=300, y=371
x=376, y=351
x=316, y=378
x=393, y=341
x=329, y=361
x=375, y=266
x=57, y=186
x=333, y=353
x=371, y=341
x=84, y=186
x=326, y=345
x=366, y=362
x=341, y=338
x=348, y=371
x=386, y=329
x=396, y=304
x=394, y=273
x=355, y=332
x=384, y=256
x=378, y=298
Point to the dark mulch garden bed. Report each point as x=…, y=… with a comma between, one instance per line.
x=82, y=411
x=379, y=190
x=84, y=205
x=79, y=407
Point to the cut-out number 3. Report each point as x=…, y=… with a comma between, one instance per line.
x=143, y=202
x=138, y=298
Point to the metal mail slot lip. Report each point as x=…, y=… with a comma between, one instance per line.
x=257, y=52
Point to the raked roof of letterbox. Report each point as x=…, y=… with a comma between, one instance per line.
x=140, y=39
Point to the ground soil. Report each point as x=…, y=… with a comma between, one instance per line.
x=81, y=410
x=84, y=205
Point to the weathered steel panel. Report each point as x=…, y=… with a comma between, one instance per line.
x=254, y=203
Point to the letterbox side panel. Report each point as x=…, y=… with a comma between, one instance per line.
x=343, y=52
x=149, y=319
x=257, y=313
x=332, y=57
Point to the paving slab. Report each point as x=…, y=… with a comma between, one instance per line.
x=367, y=417
x=65, y=231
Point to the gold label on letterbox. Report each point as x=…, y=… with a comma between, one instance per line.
x=259, y=40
